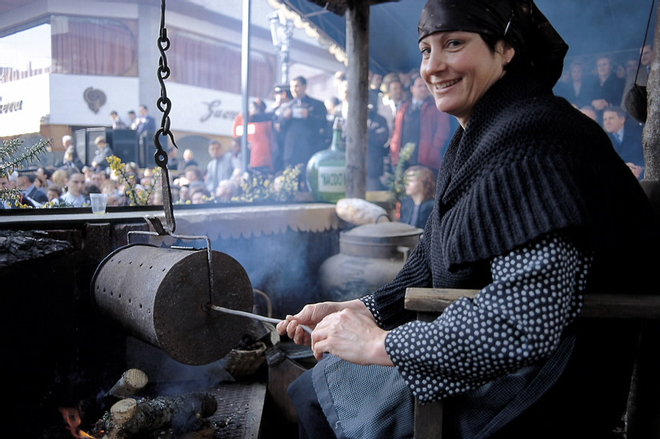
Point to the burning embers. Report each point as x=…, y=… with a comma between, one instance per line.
x=133, y=416
x=72, y=420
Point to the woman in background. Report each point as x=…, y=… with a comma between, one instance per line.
x=420, y=189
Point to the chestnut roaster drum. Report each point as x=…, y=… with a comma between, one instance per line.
x=162, y=296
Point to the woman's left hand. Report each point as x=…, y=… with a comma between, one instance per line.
x=352, y=336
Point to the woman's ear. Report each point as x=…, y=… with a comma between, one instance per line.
x=506, y=50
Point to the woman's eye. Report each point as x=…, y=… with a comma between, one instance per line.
x=425, y=50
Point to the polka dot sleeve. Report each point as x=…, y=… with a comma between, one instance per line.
x=515, y=321
x=371, y=306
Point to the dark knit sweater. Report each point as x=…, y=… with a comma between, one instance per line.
x=526, y=164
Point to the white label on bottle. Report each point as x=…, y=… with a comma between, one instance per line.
x=332, y=179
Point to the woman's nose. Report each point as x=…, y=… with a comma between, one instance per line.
x=435, y=63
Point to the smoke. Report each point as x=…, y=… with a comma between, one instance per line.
x=284, y=266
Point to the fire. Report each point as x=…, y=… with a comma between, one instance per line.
x=72, y=419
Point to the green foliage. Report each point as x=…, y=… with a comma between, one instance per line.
x=397, y=182
x=267, y=188
x=12, y=158
x=137, y=195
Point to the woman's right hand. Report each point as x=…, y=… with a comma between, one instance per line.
x=309, y=316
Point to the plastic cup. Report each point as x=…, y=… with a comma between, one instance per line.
x=98, y=203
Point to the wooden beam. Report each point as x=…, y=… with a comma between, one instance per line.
x=615, y=306
x=339, y=6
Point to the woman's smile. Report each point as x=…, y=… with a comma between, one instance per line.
x=445, y=85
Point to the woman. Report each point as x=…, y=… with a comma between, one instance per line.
x=534, y=209
x=420, y=189
x=573, y=89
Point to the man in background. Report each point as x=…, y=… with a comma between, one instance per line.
x=31, y=194
x=303, y=125
x=626, y=137
x=420, y=122
x=103, y=151
x=282, y=95
x=188, y=159
x=117, y=123
x=146, y=127
x=219, y=168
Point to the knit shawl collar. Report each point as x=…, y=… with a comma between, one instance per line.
x=526, y=164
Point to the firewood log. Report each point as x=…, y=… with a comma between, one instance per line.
x=130, y=417
x=130, y=383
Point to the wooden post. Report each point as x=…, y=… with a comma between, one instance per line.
x=644, y=401
x=357, y=142
x=652, y=128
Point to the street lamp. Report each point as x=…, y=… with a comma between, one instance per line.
x=281, y=30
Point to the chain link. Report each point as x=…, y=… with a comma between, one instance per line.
x=164, y=104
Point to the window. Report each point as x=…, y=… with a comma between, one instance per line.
x=26, y=53
x=92, y=46
x=208, y=63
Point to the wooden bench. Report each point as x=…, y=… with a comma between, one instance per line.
x=644, y=409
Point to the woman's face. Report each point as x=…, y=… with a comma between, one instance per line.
x=413, y=184
x=458, y=68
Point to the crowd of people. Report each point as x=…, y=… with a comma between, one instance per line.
x=70, y=183
x=601, y=90
x=284, y=135
x=288, y=133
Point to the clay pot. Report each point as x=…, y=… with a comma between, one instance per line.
x=369, y=257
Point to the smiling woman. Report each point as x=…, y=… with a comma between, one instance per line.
x=523, y=213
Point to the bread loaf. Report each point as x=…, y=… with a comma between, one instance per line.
x=358, y=211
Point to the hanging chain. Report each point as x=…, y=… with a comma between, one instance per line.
x=164, y=104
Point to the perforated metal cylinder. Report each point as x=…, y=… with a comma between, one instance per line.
x=160, y=296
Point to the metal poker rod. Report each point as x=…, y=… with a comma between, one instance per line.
x=254, y=316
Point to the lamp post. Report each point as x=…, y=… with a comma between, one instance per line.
x=281, y=30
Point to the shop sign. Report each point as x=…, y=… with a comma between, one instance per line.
x=10, y=107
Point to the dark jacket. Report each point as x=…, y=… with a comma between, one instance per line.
x=630, y=149
x=611, y=90
x=566, y=90
x=302, y=137
x=34, y=193
x=408, y=209
x=378, y=133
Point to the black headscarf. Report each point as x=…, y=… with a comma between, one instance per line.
x=519, y=22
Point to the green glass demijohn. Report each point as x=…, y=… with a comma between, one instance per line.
x=326, y=170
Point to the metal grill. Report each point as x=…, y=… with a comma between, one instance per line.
x=240, y=407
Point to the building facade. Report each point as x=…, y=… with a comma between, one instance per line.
x=68, y=64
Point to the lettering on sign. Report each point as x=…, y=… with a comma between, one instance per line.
x=214, y=109
x=10, y=107
x=332, y=179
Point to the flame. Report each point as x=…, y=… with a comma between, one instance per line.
x=72, y=419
